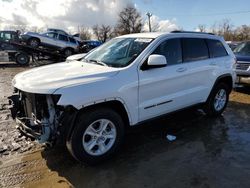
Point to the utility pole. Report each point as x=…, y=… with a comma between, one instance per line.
x=149, y=23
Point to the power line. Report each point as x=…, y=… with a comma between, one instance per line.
x=211, y=14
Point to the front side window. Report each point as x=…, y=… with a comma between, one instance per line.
x=5, y=36
x=216, y=48
x=194, y=49
x=118, y=52
x=72, y=40
x=63, y=38
x=171, y=49
x=51, y=35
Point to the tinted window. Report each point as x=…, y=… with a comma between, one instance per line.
x=72, y=40
x=5, y=36
x=216, y=48
x=194, y=49
x=171, y=49
x=63, y=38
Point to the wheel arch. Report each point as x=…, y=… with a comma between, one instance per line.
x=33, y=37
x=225, y=78
x=116, y=104
x=68, y=47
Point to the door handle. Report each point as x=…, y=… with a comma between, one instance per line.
x=182, y=69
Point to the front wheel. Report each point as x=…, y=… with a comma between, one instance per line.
x=68, y=52
x=34, y=42
x=217, y=100
x=97, y=135
x=22, y=59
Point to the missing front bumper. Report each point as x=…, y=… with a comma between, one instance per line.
x=27, y=131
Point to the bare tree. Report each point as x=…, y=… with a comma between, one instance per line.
x=202, y=27
x=102, y=32
x=22, y=28
x=84, y=33
x=130, y=21
x=225, y=29
x=242, y=33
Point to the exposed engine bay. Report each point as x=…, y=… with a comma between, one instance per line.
x=38, y=116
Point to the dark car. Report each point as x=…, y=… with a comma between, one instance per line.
x=8, y=36
x=242, y=53
x=9, y=51
x=88, y=45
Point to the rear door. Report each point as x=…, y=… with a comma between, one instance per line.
x=198, y=69
x=50, y=39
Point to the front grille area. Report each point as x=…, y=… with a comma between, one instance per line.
x=242, y=66
x=33, y=105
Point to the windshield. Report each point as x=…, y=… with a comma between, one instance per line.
x=243, y=49
x=118, y=52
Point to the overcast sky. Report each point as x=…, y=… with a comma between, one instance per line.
x=168, y=14
x=69, y=14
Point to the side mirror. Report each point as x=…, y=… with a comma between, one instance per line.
x=155, y=61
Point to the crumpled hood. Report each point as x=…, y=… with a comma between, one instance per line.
x=47, y=79
x=75, y=57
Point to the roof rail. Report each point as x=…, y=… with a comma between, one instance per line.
x=178, y=31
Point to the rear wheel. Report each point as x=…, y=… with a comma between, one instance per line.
x=34, y=42
x=97, y=135
x=22, y=59
x=217, y=100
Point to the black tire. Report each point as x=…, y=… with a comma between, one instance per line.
x=68, y=52
x=75, y=144
x=34, y=42
x=22, y=59
x=210, y=106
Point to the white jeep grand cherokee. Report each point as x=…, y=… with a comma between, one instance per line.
x=126, y=81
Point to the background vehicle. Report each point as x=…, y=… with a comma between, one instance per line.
x=88, y=45
x=232, y=44
x=53, y=40
x=59, y=31
x=11, y=52
x=242, y=53
x=126, y=81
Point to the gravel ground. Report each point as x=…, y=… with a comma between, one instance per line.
x=11, y=141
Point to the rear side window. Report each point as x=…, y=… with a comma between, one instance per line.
x=63, y=38
x=216, y=48
x=171, y=49
x=52, y=35
x=194, y=49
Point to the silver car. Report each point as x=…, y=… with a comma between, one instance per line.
x=53, y=40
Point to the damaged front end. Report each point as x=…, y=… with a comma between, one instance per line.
x=38, y=116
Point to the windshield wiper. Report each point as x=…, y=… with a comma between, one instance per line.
x=98, y=62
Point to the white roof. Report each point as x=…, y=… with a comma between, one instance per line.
x=143, y=35
x=157, y=34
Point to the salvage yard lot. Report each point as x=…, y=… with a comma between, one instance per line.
x=206, y=153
